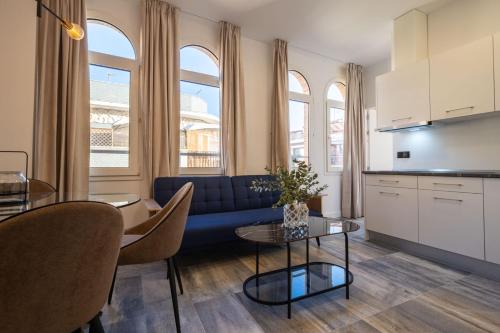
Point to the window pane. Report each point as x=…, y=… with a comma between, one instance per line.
x=298, y=117
x=336, y=137
x=336, y=92
x=200, y=126
x=109, y=117
x=200, y=60
x=297, y=83
x=105, y=38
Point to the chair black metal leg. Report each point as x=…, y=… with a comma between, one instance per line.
x=96, y=325
x=173, y=292
x=317, y=241
x=289, y=285
x=110, y=296
x=178, y=275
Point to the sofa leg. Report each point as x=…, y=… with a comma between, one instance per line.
x=317, y=241
x=96, y=325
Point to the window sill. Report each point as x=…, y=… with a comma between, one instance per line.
x=201, y=172
x=115, y=178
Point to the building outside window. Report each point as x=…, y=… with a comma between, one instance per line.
x=113, y=101
x=200, y=129
x=335, y=107
x=298, y=113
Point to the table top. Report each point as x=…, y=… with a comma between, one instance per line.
x=276, y=233
x=37, y=200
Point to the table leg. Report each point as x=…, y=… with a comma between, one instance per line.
x=289, y=271
x=257, y=263
x=346, y=265
x=307, y=267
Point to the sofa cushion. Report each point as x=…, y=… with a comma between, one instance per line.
x=220, y=227
x=211, y=194
x=246, y=198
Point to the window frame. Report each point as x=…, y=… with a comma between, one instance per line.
x=132, y=66
x=301, y=98
x=330, y=103
x=211, y=81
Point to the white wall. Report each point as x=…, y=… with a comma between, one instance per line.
x=17, y=78
x=466, y=145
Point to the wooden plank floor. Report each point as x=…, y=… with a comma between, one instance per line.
x=392, y=292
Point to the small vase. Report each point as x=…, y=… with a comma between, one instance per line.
x=295, y=215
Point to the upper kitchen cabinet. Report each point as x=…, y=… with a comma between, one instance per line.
x=462, y=81
x=497, y=72
x=403, y=96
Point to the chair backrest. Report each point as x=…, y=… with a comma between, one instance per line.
x=57, y=264
x=164, y=231
x=246, y=198
x=38, y=186
x=212, y=194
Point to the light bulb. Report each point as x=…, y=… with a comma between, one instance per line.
x=74, y=31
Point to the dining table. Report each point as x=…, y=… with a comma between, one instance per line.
x=37, y=200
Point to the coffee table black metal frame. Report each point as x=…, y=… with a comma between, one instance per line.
x=309, y=268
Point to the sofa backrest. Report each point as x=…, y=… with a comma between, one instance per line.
x=211, y=194
x=246, y=198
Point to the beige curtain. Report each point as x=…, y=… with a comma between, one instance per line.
x=279, y=111
x=61, y=143
x=354, y=145
x=232, y=100
x=160, y=92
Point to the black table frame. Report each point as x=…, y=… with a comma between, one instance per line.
x=348, y=276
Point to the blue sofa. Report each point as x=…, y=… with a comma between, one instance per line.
x=221, y=204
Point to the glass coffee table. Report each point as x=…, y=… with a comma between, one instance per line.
x=294, y=283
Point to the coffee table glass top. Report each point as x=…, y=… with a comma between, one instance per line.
x=276, y=233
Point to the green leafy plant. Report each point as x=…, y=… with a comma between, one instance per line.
x=297, y=185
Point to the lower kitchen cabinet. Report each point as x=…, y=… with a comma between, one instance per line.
x=492, y=219
x=392, y=211
x=452, y=221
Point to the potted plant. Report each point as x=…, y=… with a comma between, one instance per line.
x=297, y=187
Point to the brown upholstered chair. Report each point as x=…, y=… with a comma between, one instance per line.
x=159, y=238
x=56, y=267
x=38, y=189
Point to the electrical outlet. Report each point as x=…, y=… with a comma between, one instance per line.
x=403, y=154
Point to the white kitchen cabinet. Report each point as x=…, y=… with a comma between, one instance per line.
x=392, y=211
x=492, y=219
x=403, y=95
x=497, y=71
x=452, y=221
x=451, y=184
x=462, y=81
x=392, y=180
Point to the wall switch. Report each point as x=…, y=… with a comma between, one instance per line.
x=403, y=154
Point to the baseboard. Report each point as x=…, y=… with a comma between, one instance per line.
x=454, y=260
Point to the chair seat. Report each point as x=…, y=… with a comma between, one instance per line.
x=219, y=227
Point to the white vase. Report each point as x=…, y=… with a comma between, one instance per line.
x=295, y=215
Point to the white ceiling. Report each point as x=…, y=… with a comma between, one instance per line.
x=346, y=30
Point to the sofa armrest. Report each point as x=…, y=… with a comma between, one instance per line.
x=315, y=203
x=152, y=206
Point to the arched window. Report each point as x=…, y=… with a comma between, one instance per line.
x=113, y=73
x=298, y=115
x=335, y=106
x=200, y=144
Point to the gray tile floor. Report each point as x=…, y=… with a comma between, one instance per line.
x=392, y=292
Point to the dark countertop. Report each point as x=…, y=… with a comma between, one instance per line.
x=438, y=172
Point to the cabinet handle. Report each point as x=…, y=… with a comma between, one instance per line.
x=388, y=181
x=458, y=109
x=390, y=193
x=399, y=119
x=448, y=184
x=448, y=199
